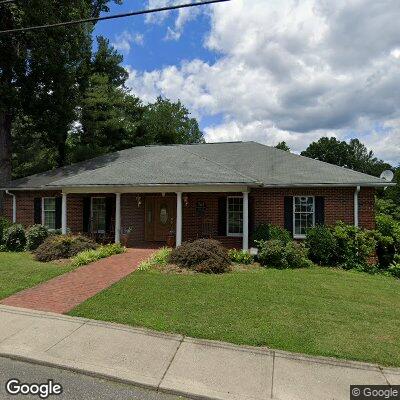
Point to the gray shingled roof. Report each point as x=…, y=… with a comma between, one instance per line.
x=246, y=163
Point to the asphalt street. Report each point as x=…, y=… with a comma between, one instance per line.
x=75, y=386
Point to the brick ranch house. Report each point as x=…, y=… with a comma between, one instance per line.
x=221, y=190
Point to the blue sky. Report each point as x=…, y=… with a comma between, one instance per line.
x=272, y=70
x=156, y=51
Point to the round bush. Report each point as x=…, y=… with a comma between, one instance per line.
x=270, y=253
x=271, y=232
x=322, y=246
x=35, y=236
x=203, y=255
x=240, y=256
x=355, y=245
x=4, y=225
x=15, y=238
x=387, y=236
x=56, y=247
x=296, y=255
x=280, y=255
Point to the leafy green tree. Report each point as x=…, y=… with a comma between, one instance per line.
x=353, y=155
x=283, y=146
x=41, y=71
x=167, y=122
x=363, y=160
x=107, y=61
x=329, y=150
x=109, y=120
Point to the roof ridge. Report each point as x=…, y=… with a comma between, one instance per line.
x=225, y=167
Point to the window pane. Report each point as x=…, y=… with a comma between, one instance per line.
x=49, y=204
x=303, y=214
x=99, y=214
x=235, y=215
x=49, y=212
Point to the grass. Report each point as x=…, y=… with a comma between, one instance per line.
x=317, y=311
x=20, y=271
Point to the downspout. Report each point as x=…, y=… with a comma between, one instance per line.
x=356, y=192
x=14, y=206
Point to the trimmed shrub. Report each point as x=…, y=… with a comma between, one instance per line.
x=15, y=238
x=203, y=255
x=355, y=245
x=271, y=232
x=56, y=247
x=35, y=236
x=280, y=255
x=322, y=246
x=240, y=256
x=159, y=258
x=4, y=225
x=89, y=256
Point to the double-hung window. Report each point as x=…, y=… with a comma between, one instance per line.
x=234, y=220
x=303, y=215
x=99, y=214
x=49, y=212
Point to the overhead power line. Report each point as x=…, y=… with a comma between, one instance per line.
x=115, y=16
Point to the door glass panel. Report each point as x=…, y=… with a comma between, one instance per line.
x=149, y=216
x=163, y=214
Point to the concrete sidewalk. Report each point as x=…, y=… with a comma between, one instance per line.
x=173, y=363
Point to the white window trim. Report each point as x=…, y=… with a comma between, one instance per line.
x=298, y=236
x=227, y=217
x=91, y=214
x=55, y=213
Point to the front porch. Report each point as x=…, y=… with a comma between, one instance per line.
x=153, y=217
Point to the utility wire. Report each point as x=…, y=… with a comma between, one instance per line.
x=115, y=16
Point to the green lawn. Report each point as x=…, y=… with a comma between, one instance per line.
x=317, y=311
x=19, y=271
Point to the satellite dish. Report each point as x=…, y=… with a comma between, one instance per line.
x=387, y=175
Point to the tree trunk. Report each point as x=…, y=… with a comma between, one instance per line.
x=5, y=153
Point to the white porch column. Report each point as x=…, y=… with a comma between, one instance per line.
x=64, y=214
x=245, y=221
x=178, y=219
x=356, y=206
x=117, y=217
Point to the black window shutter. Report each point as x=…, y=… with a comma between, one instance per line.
x=86, y=214
x=109, y=212
x=319, y=210
x=222, y=216
x=37, y=210
x=251, y=216
x=288, y=211
x=58, y=212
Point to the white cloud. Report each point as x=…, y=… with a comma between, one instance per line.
x=125, y=40
x=294, y=69
x=184, y=15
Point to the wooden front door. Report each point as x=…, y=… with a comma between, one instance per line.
x=160, y=218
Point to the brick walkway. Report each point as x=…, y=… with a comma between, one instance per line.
x=63, y=293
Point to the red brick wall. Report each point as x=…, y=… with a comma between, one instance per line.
x=268, y=208
x=132, y=215
x=194, y=226
x=339, y=205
